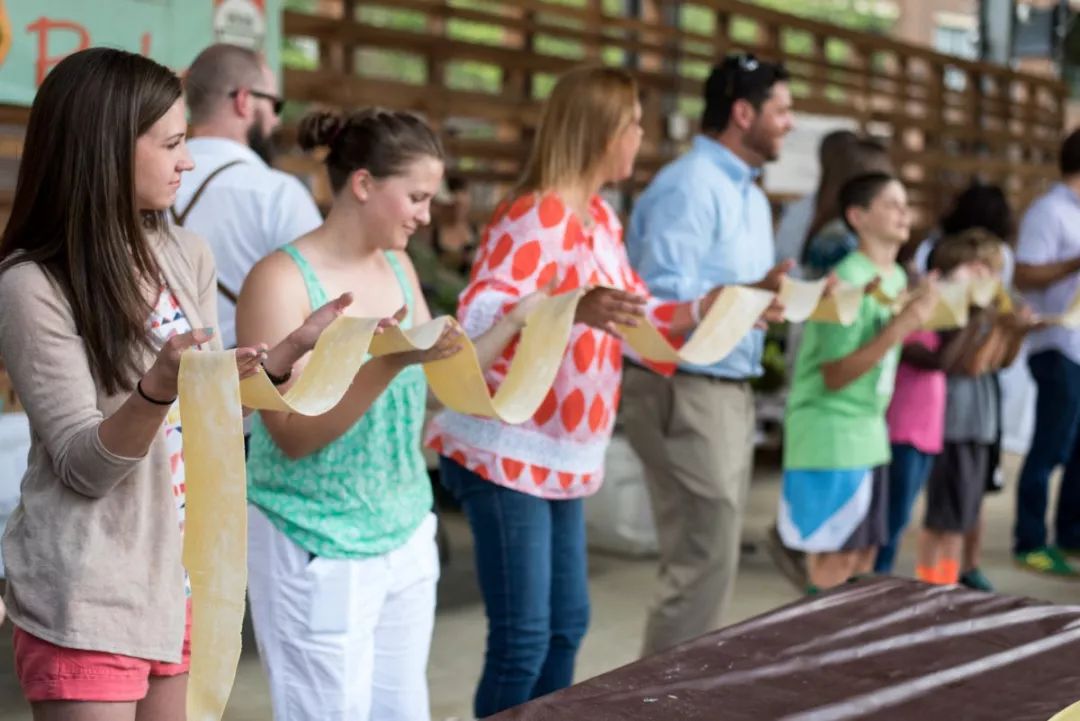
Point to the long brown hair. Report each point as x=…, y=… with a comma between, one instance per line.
x=586, y=110
x=74, y=211
x=857, y=158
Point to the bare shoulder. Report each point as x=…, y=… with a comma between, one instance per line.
x=276, y=279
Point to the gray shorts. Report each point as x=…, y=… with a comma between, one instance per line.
x=954, y=490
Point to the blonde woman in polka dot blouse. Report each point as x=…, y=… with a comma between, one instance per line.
x=522, y=486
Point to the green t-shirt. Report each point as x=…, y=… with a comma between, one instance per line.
x=827, y=429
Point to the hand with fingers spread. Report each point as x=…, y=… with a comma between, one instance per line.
x=279, y=361
x=248, y=360
x=303, y=339
x=607, y=308
x=448, y=344
x=160, y=382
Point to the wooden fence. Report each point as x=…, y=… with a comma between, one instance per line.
x=479, y=69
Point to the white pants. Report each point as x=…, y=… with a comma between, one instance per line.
x=343, y=640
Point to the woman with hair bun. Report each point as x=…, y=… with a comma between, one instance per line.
x=342, y=557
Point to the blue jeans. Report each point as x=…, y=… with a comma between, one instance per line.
x=531, y=565
x=907, y=475
x=1057, y=419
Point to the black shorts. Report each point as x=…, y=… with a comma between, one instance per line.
x=954, y=490
x=874, y=529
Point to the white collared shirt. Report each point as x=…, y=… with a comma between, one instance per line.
x=247, y=212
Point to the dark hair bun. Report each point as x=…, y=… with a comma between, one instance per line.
x=319, y=129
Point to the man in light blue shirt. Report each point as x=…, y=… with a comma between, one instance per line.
x=1048, y=271
x=705, y=222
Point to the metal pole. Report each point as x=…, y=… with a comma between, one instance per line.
x=996, y=19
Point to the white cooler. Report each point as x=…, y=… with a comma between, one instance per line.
x=619, y=517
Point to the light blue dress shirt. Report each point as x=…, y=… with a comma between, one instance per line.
x=703, y=222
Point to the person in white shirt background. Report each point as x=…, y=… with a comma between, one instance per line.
x=242, y=206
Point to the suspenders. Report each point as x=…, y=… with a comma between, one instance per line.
x=180, y=218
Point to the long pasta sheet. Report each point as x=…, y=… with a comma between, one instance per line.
x=211, y=407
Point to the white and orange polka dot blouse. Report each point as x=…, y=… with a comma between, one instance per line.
x=559, y=452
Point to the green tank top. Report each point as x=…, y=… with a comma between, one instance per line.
x=366, y=492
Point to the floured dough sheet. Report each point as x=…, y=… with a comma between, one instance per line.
x=212, y=400
x=806, y=300
x=732, y=316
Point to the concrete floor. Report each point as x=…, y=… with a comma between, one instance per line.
x=620, y=589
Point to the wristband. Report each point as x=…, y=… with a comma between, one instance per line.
x=277, y=380
x=148, y=399
x=695, y=310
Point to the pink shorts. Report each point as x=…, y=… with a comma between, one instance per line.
x=52, y=673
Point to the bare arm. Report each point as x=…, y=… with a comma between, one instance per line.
x=1014, y=341
x=272, y=303
x=1034, y=277
x=921, y=357
x=1015, y=327
x=844, y=371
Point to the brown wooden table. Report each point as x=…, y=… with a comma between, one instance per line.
x=882, y=649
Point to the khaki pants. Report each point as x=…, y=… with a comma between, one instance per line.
x=695, y=437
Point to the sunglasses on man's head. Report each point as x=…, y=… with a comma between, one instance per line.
x=279, y=103
x=736, y=64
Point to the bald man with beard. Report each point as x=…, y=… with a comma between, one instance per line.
x=234, y=198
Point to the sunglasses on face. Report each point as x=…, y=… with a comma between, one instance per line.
x=278, y=103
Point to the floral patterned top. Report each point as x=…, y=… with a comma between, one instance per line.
x=167, y=320
x=559, y=452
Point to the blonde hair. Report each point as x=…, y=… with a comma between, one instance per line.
x=586, y=110
x=972, y=245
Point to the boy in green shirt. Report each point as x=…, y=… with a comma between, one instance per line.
x=836, y=445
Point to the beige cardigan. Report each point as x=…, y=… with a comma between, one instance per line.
x=93, y=548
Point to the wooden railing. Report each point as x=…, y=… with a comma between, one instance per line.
x=479, y=69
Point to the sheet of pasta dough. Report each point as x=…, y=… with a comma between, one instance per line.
x=806, y=300
x=211, y=400
x=215, y=527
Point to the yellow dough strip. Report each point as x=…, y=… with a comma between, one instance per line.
x=806, y=300
x=212, y=401
x=211, y=408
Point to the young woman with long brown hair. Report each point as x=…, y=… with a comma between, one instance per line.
x=100, y=298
